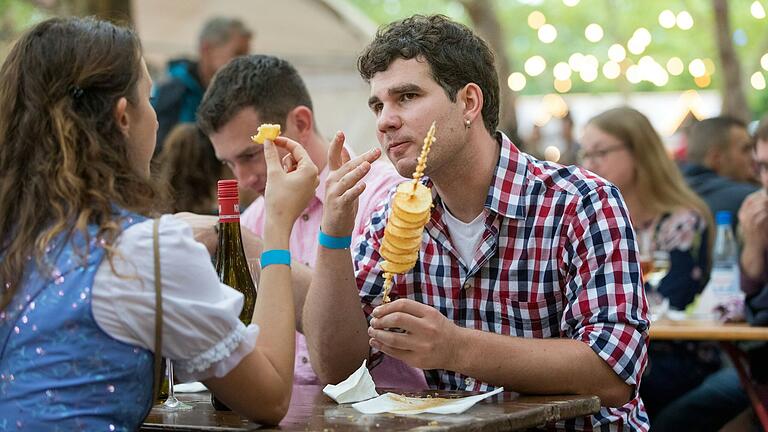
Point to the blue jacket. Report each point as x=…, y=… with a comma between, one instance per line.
x=720, y=193
x=176, y=98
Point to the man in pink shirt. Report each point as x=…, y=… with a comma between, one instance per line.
x=257, y=89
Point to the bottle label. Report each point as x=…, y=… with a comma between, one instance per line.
x=721, y=296
x=229, y=210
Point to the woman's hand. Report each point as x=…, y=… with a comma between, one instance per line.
x=291, y=182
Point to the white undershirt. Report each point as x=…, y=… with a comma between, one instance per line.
x=465, y=237
x=201, y=329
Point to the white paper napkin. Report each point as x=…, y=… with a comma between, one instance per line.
x=398, y=404
x=358, y=387
x=191, y=387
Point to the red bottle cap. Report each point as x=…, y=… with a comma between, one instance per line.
x=229, y=201
x=228, y=189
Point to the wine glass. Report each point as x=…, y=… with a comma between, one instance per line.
x=654, y=264
x=171, y=403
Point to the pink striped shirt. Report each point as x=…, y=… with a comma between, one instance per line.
x=379, y=180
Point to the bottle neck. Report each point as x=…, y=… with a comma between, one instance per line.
x=725, y=248
x=229, y=210
x=724, y=232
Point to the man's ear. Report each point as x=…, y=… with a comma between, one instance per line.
x=302, y=120
x=472, y=98
x=121, y=115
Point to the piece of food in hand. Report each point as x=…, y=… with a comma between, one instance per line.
x=266, y=132
x=411, y=209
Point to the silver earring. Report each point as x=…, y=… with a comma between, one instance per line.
x=467, y=123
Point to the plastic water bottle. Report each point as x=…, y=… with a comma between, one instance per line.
x=722, y=297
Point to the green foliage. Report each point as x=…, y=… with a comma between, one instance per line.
x=15, y=17
x=619, y=19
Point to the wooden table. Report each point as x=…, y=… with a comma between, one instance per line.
x=726, y=334
x=311, y=410
x=706, y=330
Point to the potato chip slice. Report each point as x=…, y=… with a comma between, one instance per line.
x=408, y=218
x=403, y=233
x=266, y=132
x=399, y=222
x=397, y=258
x=412, y=201
x=404, y=245
x=387, y=244
x=395, y=268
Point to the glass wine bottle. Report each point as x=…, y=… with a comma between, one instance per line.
x=231, y=263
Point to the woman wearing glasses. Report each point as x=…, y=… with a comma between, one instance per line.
x=670, y=221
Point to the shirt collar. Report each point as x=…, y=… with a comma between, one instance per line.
x=509, y=183
x=506, y=195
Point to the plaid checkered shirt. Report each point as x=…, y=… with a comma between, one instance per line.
x=558, y=259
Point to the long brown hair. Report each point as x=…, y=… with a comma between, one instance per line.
x=659, y=181
x=63, y=157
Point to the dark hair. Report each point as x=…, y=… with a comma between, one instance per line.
x=63, y=156
x=709, y=134
x=188, y=168
x=456, y=57
x=265, y=83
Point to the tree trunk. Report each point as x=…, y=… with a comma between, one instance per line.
x=617, y=33
x=488, y=27
x=115, y=10
x=734, y=98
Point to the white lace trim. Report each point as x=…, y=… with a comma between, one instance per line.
x=216, y=353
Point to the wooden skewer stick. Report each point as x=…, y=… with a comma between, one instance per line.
x=422, y=164
x=387, y=286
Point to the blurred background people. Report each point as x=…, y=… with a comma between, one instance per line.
x=720, y=399
x=622, y=146
x=719, y=165
x=753, y=219
x=554, y=141
x=569, y=153
x=178, y=95
x=188, y=169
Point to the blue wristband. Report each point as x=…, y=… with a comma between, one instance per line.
x=275, y=256
x=331, y=242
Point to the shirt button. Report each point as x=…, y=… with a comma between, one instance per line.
x=467, y=285
x=304, y=360
x=305, y=217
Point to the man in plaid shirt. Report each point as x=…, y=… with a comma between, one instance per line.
x=528, y=274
